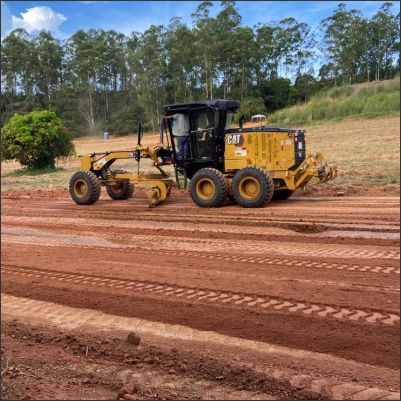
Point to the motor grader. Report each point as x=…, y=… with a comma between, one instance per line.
x=252, y=166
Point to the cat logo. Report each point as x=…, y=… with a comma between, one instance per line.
x=235, y=139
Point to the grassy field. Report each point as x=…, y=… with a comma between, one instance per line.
x=368, y=100
x=367, y=153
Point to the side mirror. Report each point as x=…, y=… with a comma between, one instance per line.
x=241, y=121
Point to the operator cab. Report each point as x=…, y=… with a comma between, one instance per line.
x=207, y=121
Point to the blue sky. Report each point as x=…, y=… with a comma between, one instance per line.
x=63, y=18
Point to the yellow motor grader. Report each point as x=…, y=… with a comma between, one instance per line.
x=251, y=165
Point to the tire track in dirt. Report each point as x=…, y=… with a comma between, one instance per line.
x=213, y=296
x=312, y=250
x=294, y=230
x=278, y=261
x=336, y=274
x=323, y=387
x=272, y=220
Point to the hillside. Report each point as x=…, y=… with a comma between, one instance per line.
x=367, y=100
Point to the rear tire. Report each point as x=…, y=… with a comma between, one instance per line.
x=84, y=188
x=282, y=194
x=252, y=187
x=208, y=188
x=121, y=191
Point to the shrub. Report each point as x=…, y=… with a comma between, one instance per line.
x=35, y=139
x=251, y=106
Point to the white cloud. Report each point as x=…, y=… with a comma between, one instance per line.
x=39, y=18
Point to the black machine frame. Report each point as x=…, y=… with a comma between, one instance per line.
x=217, y=108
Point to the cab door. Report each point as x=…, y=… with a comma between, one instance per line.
x=203, y=134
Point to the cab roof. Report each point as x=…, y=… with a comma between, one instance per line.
x=218, y=104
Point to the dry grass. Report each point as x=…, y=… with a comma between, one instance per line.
x=366, y=151
x=14, y=177
x=87, y=145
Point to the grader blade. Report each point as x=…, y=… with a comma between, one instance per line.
x=153, y=197
x=159, y=193
x=160, y=190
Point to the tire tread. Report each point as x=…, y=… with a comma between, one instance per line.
x=129, y=190
x=94, y=187
x=221, y=187
x=268, y=189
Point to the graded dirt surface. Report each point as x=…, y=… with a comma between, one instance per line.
x=296, y=300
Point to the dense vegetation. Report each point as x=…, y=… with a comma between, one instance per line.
x=103, y=80
x=378, y=99
x=35, y=139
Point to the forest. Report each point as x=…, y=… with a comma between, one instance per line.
x=101, y=80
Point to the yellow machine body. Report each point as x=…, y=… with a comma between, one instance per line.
x=252, y=165
x=160, y=184
x=276, y=153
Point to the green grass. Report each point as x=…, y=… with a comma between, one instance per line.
x=22, y=179
x=377, y=99
x=15, y=178
x=26, y=172
x=384, y=179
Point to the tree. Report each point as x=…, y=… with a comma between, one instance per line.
x=385, y=38
x=206, y=42
x=19, y=63
x=277, y=94
x=267, y=52
x=98, y=78
x=347, y=42
x=35, y=139
x=251, y=106
x=182, y=71
x=227, y=57
x=295, y=42
x=306, y=85
x=49, y=56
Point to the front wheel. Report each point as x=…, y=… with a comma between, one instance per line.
x=84, y=187
x=208, y=188
x=252, y=187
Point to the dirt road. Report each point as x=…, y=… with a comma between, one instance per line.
x=299, y=299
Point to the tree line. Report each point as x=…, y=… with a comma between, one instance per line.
x=104, y=80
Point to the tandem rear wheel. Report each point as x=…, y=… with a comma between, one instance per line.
x=208, y=188
x=252, y=187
